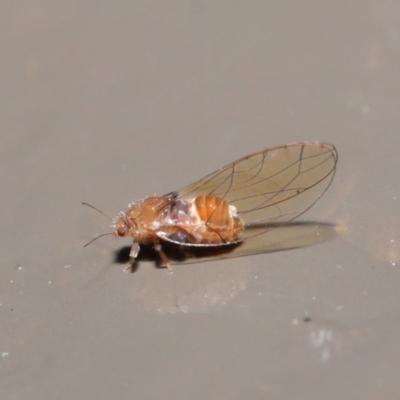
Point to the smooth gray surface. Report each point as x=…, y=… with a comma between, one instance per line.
x=107, y=102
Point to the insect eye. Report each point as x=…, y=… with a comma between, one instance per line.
x=122, y=230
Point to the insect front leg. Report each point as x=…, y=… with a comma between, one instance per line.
x=132, y=256
x=164, y=258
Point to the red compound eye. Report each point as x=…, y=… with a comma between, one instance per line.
x=122, y=230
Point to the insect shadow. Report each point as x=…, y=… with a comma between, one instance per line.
x=175, y=253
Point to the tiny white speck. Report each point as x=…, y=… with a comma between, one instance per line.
x=11, y=281
x=49, y=282
x=20, y=267
x=4, y=354
x=295, y=321
x=393, y=264
x=256, y=277
x=314, y=298
x=259, y=293
x=67, y=266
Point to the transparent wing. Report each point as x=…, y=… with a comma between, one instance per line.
x=272, y=186
x=262, y=240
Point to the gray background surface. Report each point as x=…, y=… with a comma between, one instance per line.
x=107, y=102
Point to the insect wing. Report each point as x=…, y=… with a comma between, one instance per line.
x=283, y=237
x=270, y=187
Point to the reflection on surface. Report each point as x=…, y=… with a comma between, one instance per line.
x=209, y=288
x=191, y=289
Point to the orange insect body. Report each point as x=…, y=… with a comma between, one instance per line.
x=217, y=220
x=204, y=220
x=234, y=204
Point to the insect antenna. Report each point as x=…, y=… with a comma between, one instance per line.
x=101, y=212
x=103, y=234
x=94, y=208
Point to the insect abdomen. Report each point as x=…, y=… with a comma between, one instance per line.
x=213, y=209
x=219, y=217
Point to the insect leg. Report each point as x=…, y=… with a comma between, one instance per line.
x=164, y=258
x=134, y=250
x=132, y=256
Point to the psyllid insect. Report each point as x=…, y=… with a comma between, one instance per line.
x=263, y=189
